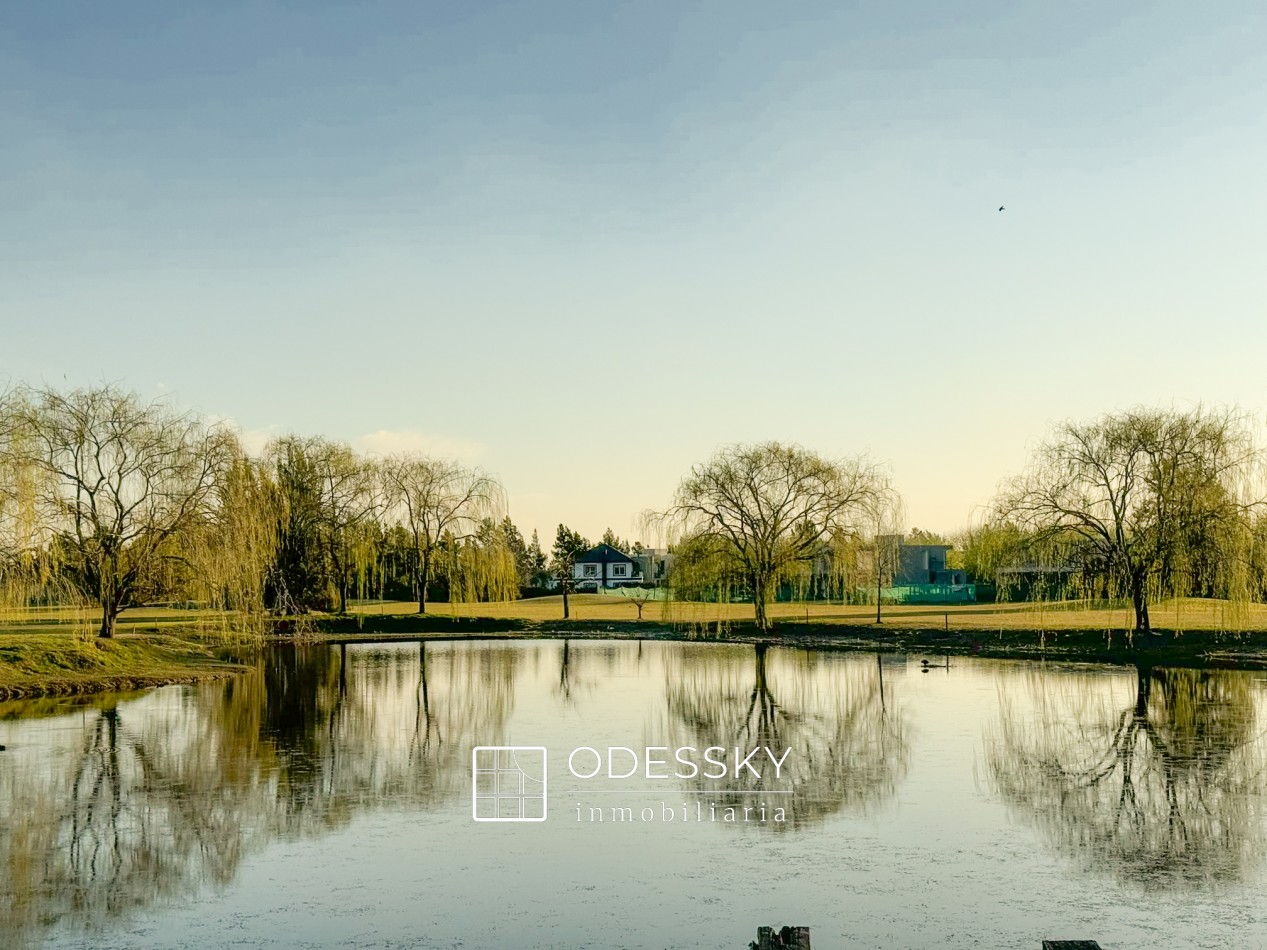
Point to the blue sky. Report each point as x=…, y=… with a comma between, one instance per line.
x=585, y=244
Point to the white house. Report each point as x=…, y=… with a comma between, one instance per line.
x=604, y=566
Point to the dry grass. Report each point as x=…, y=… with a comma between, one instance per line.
x=85, y=621
x=1182, y=614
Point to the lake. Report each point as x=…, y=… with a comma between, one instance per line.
x=325, y=797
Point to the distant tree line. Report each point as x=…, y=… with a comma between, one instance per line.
x=111, y=500
x=1134, y=506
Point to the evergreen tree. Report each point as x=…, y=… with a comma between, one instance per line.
x=611, y=538
x=538, y=573
x=513, y=539
x=567, y=545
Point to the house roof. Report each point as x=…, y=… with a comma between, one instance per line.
x=603, y=554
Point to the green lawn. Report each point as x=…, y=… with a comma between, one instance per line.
x=60, y=663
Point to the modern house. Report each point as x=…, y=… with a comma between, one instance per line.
x=603, y=567
x=920, y=574
x=655, y=565
x=923, y=564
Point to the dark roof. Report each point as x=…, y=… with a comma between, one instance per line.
x=603, y=554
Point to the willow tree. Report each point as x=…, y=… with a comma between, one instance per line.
x=770, y=509
x=117, y=485
x=431, y=498
x=347, y=500
x=1145, y=496
x=24, y=567
x=234, y=550
x=482, y=567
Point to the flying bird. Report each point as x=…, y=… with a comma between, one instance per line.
x=1000, y=207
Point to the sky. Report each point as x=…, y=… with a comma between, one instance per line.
x=584, y=245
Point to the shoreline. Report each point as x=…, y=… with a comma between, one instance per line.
x=35, y=666
x=1246, y=650
x=62, y=664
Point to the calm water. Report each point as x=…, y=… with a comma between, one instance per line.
x=325, y=798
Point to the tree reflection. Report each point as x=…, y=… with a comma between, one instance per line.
x=848, y=745
x=1162, y=790
x=157, y=797
x=133, y=814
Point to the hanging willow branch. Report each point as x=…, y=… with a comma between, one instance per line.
x=108, y=490
x=770, y=514
x=1146, y=503
x=440, y=504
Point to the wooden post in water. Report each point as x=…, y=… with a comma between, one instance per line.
x=787, y=938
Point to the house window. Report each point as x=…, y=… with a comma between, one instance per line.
x=619, y=570
x=590, y=570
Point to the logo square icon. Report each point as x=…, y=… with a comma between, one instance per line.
x=508, y=783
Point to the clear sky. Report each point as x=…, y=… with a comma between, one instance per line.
x=584, y=244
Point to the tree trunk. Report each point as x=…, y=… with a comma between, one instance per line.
x=109, y=614
x=1139, y=600
x=340, y=580
x=758, y=601
x=878, y=586
x=423, y=577
x=565, y=600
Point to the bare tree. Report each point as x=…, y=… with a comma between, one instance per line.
x=772, y=508
x=638, y=596
x=885, y=515
x=117, y=482
x=430, y=497
x=1136, y=495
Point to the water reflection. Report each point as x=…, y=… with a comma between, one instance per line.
x=848, y=744
x=111, y=804
x=1163, y=788
x=147, y=800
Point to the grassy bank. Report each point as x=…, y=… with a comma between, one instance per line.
x=47, y=664
x=52, y=652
